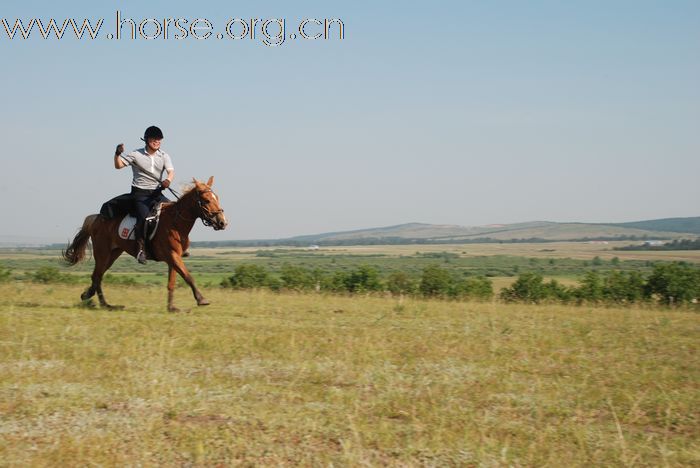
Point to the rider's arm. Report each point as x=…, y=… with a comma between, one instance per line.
x=118, y=160
x=168, y=166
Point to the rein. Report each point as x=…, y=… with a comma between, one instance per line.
x=206, y=220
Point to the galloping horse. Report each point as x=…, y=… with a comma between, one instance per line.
x=170, y=240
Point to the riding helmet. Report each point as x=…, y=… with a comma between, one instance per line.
x=153, y=132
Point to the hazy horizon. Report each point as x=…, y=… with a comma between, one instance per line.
x=463, y=113
x=14, y=240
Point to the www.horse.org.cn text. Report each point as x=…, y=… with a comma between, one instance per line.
x=271, y=32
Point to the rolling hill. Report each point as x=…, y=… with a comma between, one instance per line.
x=535, y=231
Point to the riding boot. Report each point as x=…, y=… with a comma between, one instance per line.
x=141, y=255
x=141, y=244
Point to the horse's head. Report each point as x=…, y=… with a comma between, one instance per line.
x=209, y=208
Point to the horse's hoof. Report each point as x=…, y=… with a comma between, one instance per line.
x=173, y=309
x=113, y=307
x=203, y=302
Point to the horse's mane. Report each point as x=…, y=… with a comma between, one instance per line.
x=187, y=189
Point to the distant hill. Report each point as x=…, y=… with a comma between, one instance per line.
x=543, y=230
x=684, y=225
x=535, y=231
x=421, y=233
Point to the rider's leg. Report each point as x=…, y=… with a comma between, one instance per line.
x=143, y=207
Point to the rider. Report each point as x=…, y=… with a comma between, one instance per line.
x=148, y=164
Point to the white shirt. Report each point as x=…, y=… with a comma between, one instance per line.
x=148, y=169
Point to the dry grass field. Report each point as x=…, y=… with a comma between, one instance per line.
x=280, y=379
x=575, y=250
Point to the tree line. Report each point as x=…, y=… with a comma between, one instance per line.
x=676, y=283
x=676, y=244
x=669, y=284
x=396, y=240
x=434, y=281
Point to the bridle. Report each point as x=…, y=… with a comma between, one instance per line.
x=207, y=216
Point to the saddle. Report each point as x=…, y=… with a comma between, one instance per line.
x=122, y=206
x=127, y=227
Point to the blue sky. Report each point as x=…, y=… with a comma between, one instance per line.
x=450, y=112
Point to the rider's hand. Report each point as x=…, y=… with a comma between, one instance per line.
x=165, y=183
x=119, y=150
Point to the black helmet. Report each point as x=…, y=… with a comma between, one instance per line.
x=152, y=132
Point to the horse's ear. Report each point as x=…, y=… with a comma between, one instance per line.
x=195, y=181
x=210, y=181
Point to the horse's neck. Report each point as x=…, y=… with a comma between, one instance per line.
x=184, y=213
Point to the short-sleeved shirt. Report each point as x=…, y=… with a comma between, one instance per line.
x=148, y=169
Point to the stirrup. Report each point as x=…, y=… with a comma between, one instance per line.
x=141, y=257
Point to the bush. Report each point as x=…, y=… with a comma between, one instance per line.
x=247, y=276
x=4, y=274
x=50, y=274
x=558, y=292
x=120, y=280
x=529, y=287
x=363, y=279
x=274, y=283
x=613, y=287
x=674, y=283
x=335, y=282
x=621, y=287
x=591, y=288
x=360, y=280
x=473, y=287
x=435, y=282
x=297, y=278
x=399, y=283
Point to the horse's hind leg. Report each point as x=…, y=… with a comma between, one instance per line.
x=172, y=280
x=87, y=294
x=102, y=264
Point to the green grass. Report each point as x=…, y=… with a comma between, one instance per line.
x=213, y=265
x=268, y=379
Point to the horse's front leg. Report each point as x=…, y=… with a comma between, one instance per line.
x=178, y=265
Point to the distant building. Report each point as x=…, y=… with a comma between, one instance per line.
x=314, y=247
x=654, y=242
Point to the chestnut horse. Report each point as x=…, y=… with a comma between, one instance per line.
x=168, y=244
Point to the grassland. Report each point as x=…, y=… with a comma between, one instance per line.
x=260, y=378
x=279, y=379
x=564, y=261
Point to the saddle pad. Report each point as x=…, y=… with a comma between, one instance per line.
x=127, y=227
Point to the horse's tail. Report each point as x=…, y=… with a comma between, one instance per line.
x=76, y=250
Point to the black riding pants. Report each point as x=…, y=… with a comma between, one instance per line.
x=144, y=200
